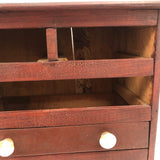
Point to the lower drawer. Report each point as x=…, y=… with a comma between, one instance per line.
x=71, y=139
x=111, y=155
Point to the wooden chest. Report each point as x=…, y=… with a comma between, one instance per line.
x=79, y=81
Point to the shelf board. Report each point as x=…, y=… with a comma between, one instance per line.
x=79, y=69
x=71, y=110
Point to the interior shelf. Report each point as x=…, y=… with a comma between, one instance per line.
x=62, y=101
x=119, y=96
x=69, y=102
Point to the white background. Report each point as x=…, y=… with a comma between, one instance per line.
x=157, y=151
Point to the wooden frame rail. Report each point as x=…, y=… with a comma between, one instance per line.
x=59, y=18
x=74, y=116
x=80, y=69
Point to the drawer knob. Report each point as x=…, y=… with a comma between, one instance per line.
x=6, y=147
x=107, y=140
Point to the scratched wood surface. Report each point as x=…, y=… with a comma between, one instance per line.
x=68, y=69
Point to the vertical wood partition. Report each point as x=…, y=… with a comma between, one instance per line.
x=51, y=38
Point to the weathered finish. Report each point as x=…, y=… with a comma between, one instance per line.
x=111, y=155
x=136, y=40
x=78, y=116
x=77, y=18
x=51, y=38
x=129, y=4
x=73, y=139
x=75, y=69
x=155, y=99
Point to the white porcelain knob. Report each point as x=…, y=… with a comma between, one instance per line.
x=107, y=140
x=6, y=147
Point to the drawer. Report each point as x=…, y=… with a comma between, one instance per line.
x=73, y=139
x=111, y=155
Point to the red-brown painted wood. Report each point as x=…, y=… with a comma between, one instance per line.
x=51, y=38
x=71, y=139
x=111, y=155
x=129, y=4
x=77, y=116
x=155, y=99
x=77, y=18
x=76, y=69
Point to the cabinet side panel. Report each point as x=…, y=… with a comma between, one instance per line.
x=155, y=99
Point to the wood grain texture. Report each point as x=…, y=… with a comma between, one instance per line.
x=71, y=139
x=75, y=69
x=10, y=89
x=129, y=96
x=22, y=45
x=110, y=155
x=77, y=18
x=136, y=41
x=155, y=98
x=140, y=86
x=74, y=116
x=61, y=101
x=51, y=38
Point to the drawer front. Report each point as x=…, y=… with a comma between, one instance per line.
x=70, y=139
x=111, y=155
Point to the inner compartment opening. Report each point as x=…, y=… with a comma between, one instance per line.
x=29, y=45
x=106, y=42
x=75, y=93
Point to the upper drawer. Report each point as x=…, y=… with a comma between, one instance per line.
x=70, y=139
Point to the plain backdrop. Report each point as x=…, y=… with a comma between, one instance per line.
x=157, y=150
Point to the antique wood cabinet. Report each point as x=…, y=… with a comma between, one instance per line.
x=79, y=81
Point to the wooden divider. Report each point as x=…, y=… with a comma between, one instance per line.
x=51, y=38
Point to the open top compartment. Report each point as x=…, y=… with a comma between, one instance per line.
x=83, y=53
x=78, y=43
x=100, y=72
